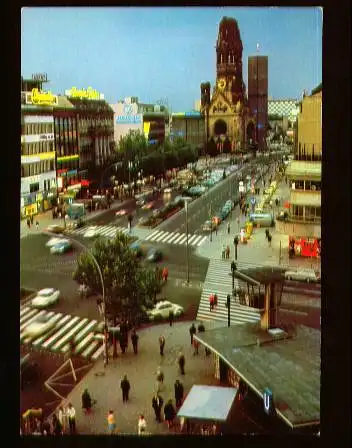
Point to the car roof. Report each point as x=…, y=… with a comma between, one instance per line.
x=46, y=291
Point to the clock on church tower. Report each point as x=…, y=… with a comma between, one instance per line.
x=221, y=83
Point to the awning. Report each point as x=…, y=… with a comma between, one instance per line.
x=208, y=403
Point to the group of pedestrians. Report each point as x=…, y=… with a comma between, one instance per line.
x=30, y=221
x=194, y=342
x=213, y=301
x=63, y=420
x=225, y=252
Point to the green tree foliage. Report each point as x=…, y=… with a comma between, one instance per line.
x=129, y=287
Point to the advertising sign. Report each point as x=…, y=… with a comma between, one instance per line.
x=42, y=77
x=41, y=98
x=38, y=157
x=129, y=114
x=89, y=94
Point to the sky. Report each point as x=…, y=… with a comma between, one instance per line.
x=166, y=53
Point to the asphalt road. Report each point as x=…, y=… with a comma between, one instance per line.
x=41, y=269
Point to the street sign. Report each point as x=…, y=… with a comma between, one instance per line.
x=253, y=201
x=268, y=400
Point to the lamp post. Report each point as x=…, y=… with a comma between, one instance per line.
x=85, y=248
x=233, y=269
x=228, y=306
x=186, y=208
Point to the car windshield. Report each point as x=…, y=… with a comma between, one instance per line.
x=46, y=293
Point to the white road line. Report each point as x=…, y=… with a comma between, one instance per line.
x=56, y=335
x=68, y=335
x=152, y=235
x=109, y=230
x=28, y=315
x=176, y=235
x=191, y=239
x=24, y=310
x=179, y=238
x=158, y=236
x=183, y=240
x=199, y=237
x=58, y=320
x=32, y=319
x=202, y=240
x=166, y=237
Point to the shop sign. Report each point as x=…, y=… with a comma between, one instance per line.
x=39, y=98
x=42, y=77
x=33, y=179
x=31, y=209
x=129, y=119
x=74, y=187
x=59, y=182
x=71, y=173
x=46, y=137
x=193, y=113
x=38, y=157
x=65, y=158
x=89, y=94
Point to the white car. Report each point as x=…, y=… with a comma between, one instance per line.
x=303, y=275
x=167, y=190
x=39, y=326
x=91, y=232
x=46, y=297
x=121, y=212
x=53, y=241
x=162, y=310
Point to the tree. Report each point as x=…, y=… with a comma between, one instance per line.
x=133, y=145
x=129, y=288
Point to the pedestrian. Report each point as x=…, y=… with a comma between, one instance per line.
x=61, y=415
x=57, y=428
x=28, y=223
x=125, y=386
x=165, y=274
x=142, y=425
x=111, y=422
x=171, y=317
x=178, y=393
x=159, y=375
x=192, y=331
x=71, y=413
x=32, y=219
x=228, y=228
x=46, y=428
x=134, y=340
x=161, y=345
x=157, y=404
x=169, y=413
x=276, y=202
x=216, y=229
x=123, y=340
x=201, y=328
x=196, y=347
x=266, y=233
x=181, y=363
x=271, y=203
x=86, y=402
x=37, y=225
x=223, y=251
x=215, y=301
x=227, y=252
x=100, y=304
x=269, y=239
x=211, y=302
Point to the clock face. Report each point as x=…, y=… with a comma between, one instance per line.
x=222, y=83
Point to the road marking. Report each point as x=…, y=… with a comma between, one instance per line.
x=174, y=237
x=74, y=330
x=167, y=236
x=152, y=235
x=191, y=239
x=32, y=319
x=202, y=240
x=179, y=238
x=56, y=336
x=183, y=240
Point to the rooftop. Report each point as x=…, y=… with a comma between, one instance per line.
x=289, y=366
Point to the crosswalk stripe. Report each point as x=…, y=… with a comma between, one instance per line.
x=195, y=242
x=173, y=237
x=59, y=320
x=56, y=336
x=83, y=343
x=202, y=240
x=166, y=238
x=28, y=315
x=183, y=240
x=32, y=319
x=74, y=330
x=108, y=231
x=24, y=310
x=191, y=239
x=161, y=236
x=85, y=331
x=152, y=235
x=97, y=353
x=179, y=238
x=90, y=349
x=156, y=235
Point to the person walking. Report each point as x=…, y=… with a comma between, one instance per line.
x=32, y=219
x=86, y=402
x=165, y=274
x=181, y=363
x=266, y=233
x=123, y=340
x=192, y=331
x=157, y=404
x=215, y=304
x=228, y=228
x=223, y=251
x=37, y=225
x=171, y=317
x=161, y=345
x=61, y=415
x=169, y=413
x=201, y=328
x=142, y=425
x=159, y=375
x=57, y=428
x=125, y=387
x=134, y=340
x=178, y=386
x=111, y=422
x=227, y=252
x=28, y=223
x=71, y=414
x=211, y=302
x=269, y=239
x=196, y=347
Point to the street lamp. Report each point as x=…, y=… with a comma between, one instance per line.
x=187, y=249
x=233, y=269
x=228, y=306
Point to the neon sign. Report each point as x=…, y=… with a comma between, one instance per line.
x=90, y=93
x=65, y=158
x=41, y=98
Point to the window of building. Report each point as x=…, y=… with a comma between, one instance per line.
x=297, y=211
x=23, y=171
x=34, y=187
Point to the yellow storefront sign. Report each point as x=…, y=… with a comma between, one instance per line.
x=146, y=128
x=64, y=158
x=31, y=209
x=90, y=93
x=39, y=98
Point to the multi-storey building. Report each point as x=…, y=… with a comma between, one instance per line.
x=38, y=170
x=258, y=95
x=95, y=132
x=304, y=176
x=190, y=126
x=282, y=114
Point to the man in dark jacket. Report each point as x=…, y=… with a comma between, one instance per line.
x=157, y=404
x=192, y=331
x=134, y=339
x=178, y=393
x=181, y=363
x=161, y=345
x=125, y=386
x=171, y=317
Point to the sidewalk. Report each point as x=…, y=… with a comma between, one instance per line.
x=45, y=219
x=257, y=250
x=104, y=385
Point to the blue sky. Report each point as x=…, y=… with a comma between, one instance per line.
x=155, y=53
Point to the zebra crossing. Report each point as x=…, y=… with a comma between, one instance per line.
x=62, y=330
x=218, y=281
x=108, y=231
x=161, y=236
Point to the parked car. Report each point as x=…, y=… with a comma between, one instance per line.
x=154, y=255
x=303, y=275
x=91, y=232
x=61, y=247
x=162, y=310
x=55, y=228
x=39, y=326
x=46, y=297
x=53, y=241
x=208, y=226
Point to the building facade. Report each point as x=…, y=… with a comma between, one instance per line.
x=282, y=115
x=189, y=126
x=258, y=96
x=38, y=167
x=304, y=177
x=226, y=112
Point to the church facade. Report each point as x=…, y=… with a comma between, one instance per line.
x=228, y=123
